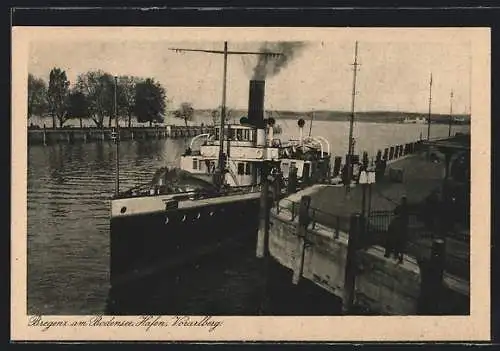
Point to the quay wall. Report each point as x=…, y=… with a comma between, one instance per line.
x=40, y=136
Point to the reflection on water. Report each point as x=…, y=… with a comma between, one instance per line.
x=68, y=191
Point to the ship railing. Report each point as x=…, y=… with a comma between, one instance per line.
x=316, y=216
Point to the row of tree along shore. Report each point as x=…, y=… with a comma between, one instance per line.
x=98, y=95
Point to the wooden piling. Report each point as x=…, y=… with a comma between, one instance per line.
x=292, y=180
x=302, y=224
x=263, y=232
x=351, y=265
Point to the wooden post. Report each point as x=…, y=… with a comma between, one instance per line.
x=292, y=180
x=302, y=224
x=350, y=265
x=263, y=232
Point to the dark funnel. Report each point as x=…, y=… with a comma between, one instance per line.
x=256, y=103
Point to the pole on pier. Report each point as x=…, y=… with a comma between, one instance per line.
x=430, y=106
x=225, y=52
x=263, y=232
x=117, y=141
x=350, y=264
x=44, y=135
x=351, y=121
x=450, y=121
x=432, y=282
x=302, y=224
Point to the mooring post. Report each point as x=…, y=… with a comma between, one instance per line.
x=263, y=232
x=302, y=224
x=350, y=264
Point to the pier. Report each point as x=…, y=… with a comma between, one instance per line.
x=47, y=136
x=325, y=235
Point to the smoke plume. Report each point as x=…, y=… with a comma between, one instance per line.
x=267, y=65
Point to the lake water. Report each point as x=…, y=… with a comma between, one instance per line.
x=68, y=191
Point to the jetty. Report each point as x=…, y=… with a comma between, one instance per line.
x=47, y=136
x=341, y=240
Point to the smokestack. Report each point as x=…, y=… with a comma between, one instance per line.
x=256, y=103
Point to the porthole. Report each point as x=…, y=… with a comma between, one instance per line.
x=211, y=213
x=183, y=218
x=198, y=215
x=123, y=209
x=166, y=220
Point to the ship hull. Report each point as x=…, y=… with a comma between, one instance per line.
x=143, y=245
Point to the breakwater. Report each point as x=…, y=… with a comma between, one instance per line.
x=46, y=136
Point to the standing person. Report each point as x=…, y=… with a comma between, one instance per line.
x=397, y=234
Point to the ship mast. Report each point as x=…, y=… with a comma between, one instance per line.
x=351, y=121
x=225, y=52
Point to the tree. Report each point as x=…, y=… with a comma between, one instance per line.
x=37, y=96
x=126, y=96
x=150, y=102
x=77, y=105
x=98, y=88
x=56, y=96
x=185, y=111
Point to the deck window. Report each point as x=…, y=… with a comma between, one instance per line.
x=247, y=169
x=195, y=163
x=241, y=168
x=246, y=134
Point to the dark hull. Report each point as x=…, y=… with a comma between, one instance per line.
x=146, y=244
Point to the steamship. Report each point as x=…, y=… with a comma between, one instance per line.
x=212, y=199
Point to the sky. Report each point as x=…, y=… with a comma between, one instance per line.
x=393, y=75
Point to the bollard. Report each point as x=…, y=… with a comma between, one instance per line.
x=336, y=165
x=263, y=232
x=302, y=224
x=350, y=264
x=292, y=180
